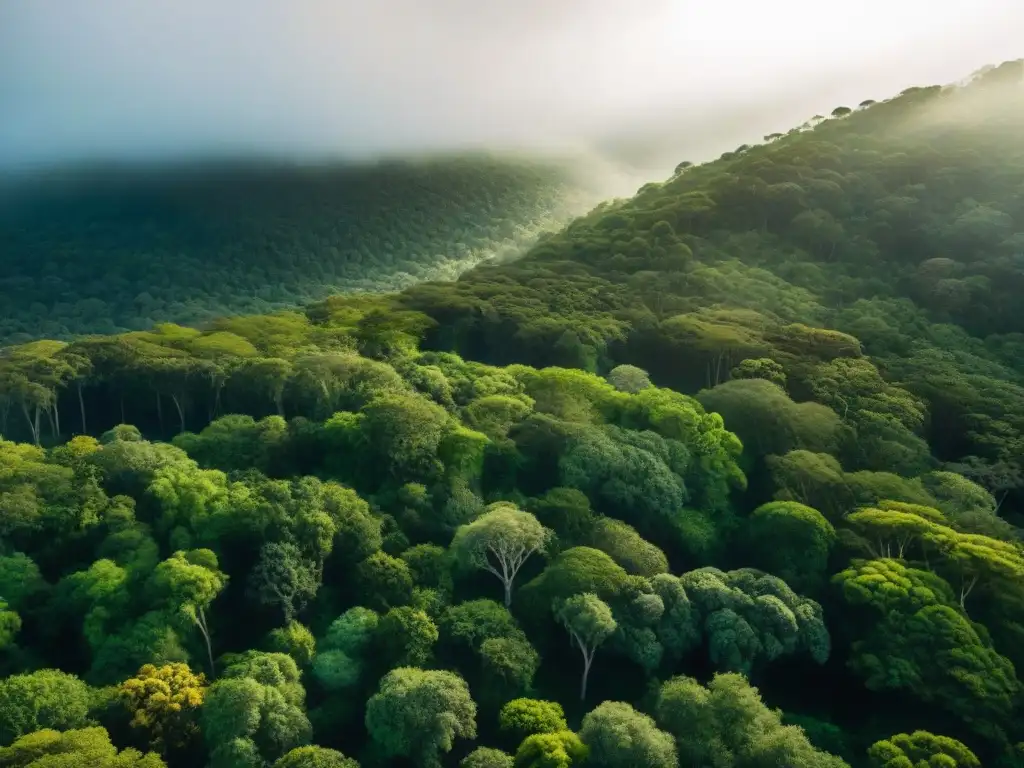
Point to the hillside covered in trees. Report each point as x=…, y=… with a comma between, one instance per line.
x=113, y=249
x=727, y=474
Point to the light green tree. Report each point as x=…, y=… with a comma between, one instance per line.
x=589, y=622
x=500, y=541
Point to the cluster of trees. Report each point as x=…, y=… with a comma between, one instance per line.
x=110, y=250
x=871, y=262
x=679, y=488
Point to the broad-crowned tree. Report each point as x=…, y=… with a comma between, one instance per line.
x=284, y=578
x=486, y=757
x=749, y=615
x=293, y=639
x=47, y=698
x=314, y=757
x=560, y=749
x=921, y=748
x=500, y=541
x=419, y=713
x=405, y=637
x=727, y=724
x=791, y=541
x=524, y=717
x=384, y=581
x=617, y=736
x=508, y=665
x=164, y=702
x=78, y=748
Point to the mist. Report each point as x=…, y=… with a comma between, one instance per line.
x=642, y=84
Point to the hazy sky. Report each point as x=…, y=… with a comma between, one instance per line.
x=130, y=78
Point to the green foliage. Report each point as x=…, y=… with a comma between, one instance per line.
x=791, y=541
x=76, y=748
x=617, y=736
x=46, y=699
x=626, y=546
x=524, y=717
x=294, y=640
x=314, y=757
x=726, y=724
x=921, y=748
x=405, y=637
x=486, y=757
x=749, y=616
x=560, y=749
x=499, y=541
x=385, y=581
x=418, y=714
x=589, y=622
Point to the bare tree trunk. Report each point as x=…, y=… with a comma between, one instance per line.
x=49, y=418
x=181, y=411
x=81, y=408
x=201, y=623
x=1001, y=500
x=56, y=417
x=588, y=659
x=32, y=425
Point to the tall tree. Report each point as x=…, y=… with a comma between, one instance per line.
x=589, y=622
x=500, y=541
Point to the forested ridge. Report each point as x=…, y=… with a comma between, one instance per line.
x=726, y=474
x=109, y=249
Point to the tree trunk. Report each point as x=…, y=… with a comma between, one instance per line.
x=56, y=417
x=81, y=408
x=1001, y=500
x=508, y=592
x=181, y=411
x=32, y=425
x=588, y=659
x=201, y=622
x=49, y=418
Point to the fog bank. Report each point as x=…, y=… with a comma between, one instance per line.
x=646, y=82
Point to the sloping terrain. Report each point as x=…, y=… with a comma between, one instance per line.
x=876, y=258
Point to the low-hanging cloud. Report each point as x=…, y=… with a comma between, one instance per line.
x=124, y=79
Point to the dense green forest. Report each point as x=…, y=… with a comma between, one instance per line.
x=728, y=474
x=107, y=250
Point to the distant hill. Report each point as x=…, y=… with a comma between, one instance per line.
x=102, y=251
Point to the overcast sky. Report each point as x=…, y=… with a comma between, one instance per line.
x=87, y=79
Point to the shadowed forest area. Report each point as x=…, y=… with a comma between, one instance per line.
x=725, y=474
x=106, y=250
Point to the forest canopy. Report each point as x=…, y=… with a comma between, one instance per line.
x=727, y=474
x=102, y=250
